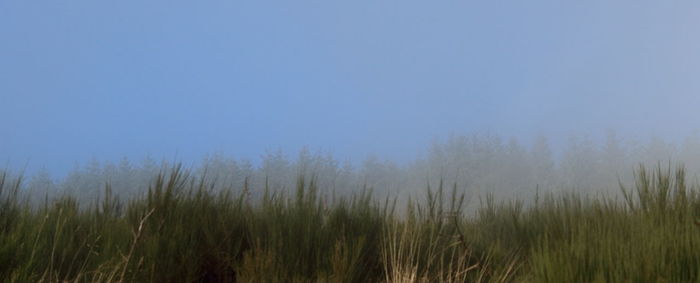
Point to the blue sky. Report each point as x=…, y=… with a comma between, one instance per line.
x=106, y=79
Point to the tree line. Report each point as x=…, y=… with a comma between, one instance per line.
x=477, y=164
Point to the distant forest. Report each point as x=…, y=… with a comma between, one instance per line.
x=476, y=164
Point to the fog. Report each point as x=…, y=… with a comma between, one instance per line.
x=478, y=164
x=505, y=98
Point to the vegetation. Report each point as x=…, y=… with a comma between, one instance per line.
x=181, y=230
x=479, y=163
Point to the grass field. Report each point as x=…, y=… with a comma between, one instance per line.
x=181, y=231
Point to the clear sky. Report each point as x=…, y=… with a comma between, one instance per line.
x=106, y=79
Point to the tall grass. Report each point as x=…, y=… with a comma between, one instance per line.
x=182, y=230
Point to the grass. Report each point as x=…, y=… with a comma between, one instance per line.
x=180, y=230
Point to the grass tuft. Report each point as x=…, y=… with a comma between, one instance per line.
x=182, y=230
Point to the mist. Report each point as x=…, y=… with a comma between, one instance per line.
x=479, y=164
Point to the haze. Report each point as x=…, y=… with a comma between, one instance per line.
x=180, y=79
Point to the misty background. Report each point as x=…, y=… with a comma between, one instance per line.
x=504, y=97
